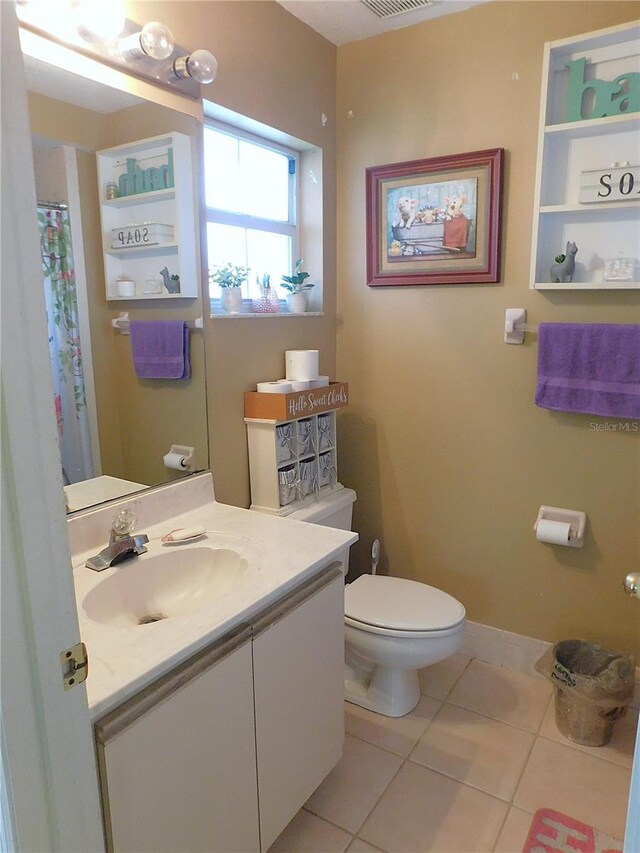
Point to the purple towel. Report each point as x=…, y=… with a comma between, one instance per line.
x=160, y=349
x=593, y=369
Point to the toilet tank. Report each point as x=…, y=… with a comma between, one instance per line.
x=335, y=510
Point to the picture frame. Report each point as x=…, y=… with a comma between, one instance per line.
x=436, y=221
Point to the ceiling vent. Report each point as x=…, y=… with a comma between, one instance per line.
x=388, y=8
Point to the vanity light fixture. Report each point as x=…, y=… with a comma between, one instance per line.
x=154, y=40
x=201, y=65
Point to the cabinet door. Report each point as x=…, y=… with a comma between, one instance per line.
x=299, y=697
x=181, y=776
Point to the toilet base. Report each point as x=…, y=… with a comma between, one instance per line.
x=386, y=690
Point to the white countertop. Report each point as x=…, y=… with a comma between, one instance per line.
x=282, y=554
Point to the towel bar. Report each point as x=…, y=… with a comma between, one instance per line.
x=515, y=325
x=121, y=323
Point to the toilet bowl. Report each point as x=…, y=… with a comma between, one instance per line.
x=393, y=626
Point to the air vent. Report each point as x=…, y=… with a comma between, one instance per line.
x=388, y=8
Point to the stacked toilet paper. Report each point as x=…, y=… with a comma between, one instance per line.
x=301, y=371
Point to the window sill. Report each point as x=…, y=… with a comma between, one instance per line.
x=217, y=312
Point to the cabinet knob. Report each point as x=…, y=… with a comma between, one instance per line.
x=631, y=584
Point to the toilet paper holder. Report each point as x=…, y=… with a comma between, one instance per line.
x=576, y=520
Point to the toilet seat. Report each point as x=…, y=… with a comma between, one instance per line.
x=400, y=607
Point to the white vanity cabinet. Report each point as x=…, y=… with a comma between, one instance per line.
x=221, y=753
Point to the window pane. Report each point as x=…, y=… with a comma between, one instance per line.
x=265, y=182
x=221, y=172
x=271, y=254
x=261, y=251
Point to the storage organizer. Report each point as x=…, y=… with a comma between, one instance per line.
x=292, y=461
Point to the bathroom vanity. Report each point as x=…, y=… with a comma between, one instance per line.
x=214, y=724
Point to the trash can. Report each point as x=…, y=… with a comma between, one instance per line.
x=593, y=687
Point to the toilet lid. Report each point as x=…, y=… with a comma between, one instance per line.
x=401, y=604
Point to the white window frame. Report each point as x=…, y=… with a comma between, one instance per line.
x=243, y=220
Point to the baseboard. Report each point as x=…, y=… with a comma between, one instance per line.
x=512, y=651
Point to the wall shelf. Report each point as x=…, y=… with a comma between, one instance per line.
x=161, y=158
x=602, y=231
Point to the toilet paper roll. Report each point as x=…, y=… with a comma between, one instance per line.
x=320, y=382
x=175, y=461
x=301, y=364
x=555, y=532
x=303, y=384
x=274, y=387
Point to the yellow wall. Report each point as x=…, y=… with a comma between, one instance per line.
x=276, y=70
x=443, y=443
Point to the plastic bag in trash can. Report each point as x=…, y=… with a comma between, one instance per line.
x=593, y=688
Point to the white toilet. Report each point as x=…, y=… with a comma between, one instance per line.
x=394, y=627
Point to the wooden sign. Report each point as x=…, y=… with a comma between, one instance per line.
x=148, y=234
x=298, y=404
x=137, y=180
x=596, y=98
x=620, y=183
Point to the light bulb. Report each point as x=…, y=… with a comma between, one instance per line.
x=154, y=40
x=201, y=65
x=99, y=19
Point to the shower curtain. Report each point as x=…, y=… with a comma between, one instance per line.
x=64, y=345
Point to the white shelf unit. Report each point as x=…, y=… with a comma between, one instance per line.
x=174, y=206
x=304, y=449
x=567, y=148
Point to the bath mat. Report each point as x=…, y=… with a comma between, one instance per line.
x=553, y=832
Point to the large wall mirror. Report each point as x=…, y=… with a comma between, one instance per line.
x=114, y=428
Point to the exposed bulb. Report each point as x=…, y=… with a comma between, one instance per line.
x=100, y=20
x=201, y=65
x=154, y=40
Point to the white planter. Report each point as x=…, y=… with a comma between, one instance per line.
x=297, y=303
x=231, y=299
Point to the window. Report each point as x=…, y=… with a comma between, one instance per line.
x=250, y=191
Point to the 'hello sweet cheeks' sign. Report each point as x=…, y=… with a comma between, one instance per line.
x=595, y=98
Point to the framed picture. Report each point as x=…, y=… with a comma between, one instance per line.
x=435, y=221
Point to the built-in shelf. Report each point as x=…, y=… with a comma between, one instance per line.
x=595, y=127
x=141, y=198
x=602, y=231
x=156, y=249
x=171, y=210
x=585, y=285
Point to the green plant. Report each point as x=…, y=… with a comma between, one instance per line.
x=229, y=275
x=296, y=283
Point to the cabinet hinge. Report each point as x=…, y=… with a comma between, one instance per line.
x=75, y=665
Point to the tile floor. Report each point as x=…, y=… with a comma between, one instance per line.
x=465, y=771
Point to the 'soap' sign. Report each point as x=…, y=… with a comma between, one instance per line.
x=612, y=184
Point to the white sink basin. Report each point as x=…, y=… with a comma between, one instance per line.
x=163, y=585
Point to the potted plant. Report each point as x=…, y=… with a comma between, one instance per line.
x=268, y=301
x=230, y=279
x=295, y=284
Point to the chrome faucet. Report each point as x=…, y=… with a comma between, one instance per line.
x=122, y=544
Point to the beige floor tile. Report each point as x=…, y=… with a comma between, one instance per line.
x=360, y=846
x=620, y=747
x=437, y=680
x=397, y=734
x=352, y=788
x=511, y=697
x=580, y=785
x=422, y=810
x=310, y=834
x=474, y=749
x=514, y=832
